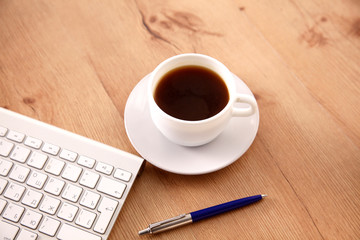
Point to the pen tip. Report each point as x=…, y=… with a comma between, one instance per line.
x=145, y=231
x=263, y=195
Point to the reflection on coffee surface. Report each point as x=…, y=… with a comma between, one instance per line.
x=191, y=93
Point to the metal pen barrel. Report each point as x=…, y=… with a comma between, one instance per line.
x=167, y=224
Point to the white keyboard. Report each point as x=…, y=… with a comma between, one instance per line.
x=58, y=185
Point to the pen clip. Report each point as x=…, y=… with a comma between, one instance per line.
x=152, y=225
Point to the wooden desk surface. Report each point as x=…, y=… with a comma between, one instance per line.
x=73, y=64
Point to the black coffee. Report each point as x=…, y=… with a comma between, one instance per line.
x=191, y=93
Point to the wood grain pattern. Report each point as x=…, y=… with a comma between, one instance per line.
x=73, y=64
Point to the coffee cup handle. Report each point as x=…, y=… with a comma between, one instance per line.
x=246, y=111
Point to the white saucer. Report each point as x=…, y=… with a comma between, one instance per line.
x=156, y=149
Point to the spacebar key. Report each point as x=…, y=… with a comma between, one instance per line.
x=7, y=231
x=68, y=232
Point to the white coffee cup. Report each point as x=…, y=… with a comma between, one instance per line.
x=198, y=132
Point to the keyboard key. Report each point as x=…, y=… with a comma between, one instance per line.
x=86, y=162
x=31, y=219
x=36, y=180
x=5, y=147
x=54, y=186
x=122, y=175
x=37, y=160
x=14, y=192
x=104, y=168
x=32, y=198
x=13, y=212
x=68, y=212
x=68, y=232
x=19, y=173
x=33, y=142
x=51, y=149
x=5, y=167
x=2, y=206
x=26, y=235
x=49, y=226
x=20, y=154
x=54, y=166
x=71, y=172
x=89, y=179
x=111, y=187
x=90, y=199
x=85, y=218
x=106, y=208
x=7, y=230
x=49, y=205
x=72, y=193
x=3, y=131
x=68, y=155
x=15, y=136
x=3, y=184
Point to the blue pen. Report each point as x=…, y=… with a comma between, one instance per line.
x=192, y=217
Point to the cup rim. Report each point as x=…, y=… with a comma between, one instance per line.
x=232, y=93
